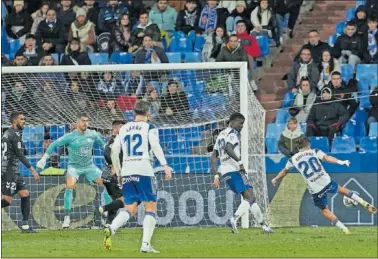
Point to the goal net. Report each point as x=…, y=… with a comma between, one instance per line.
x=190, y=104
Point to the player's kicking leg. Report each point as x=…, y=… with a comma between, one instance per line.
x=238, y=183
x=346, y=192
x=115, y=191
x=25, y=210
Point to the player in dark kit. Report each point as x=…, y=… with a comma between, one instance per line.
x=110, y=179
x=12, y=151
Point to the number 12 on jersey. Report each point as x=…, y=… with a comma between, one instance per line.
x=133, y=144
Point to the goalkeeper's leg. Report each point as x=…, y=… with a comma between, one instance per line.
x=346, y=192
x=68, y=197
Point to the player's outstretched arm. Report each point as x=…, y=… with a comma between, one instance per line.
x=153, y=139
x=229, y=149
x=99, y=140
x=279, y=176
x=334, y=160
x=64, y=140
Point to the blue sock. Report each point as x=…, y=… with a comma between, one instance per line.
x=68, y=196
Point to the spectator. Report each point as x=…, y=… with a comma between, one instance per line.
x=240, y=13
x=135, y=8
x=47, y=60
x=109, y=87
x=251, y=46
x=229, y=5
x=287, y=144
x=109, y=15
x=343, y=92
x=188, y=19
x=361, y=21
x=74, y=55
x=145, y=27
x=315, y=45
x=174, y=101
x=84, y=30
x=209, y=17
x=233, y=51
x=51, y=34
x=327, y=117
x=19, y=60
x=372, y=6
x=121, y=34
x=32, y=52
x=92, y=10
x=327, y=66
x=304, y=99
x=39, y=16
x=135, y=85
x=370, y=55
x=112, y=108
x=65, y=13
x=283, y=7
x=264, y=22
x=373, y=112
x=163, y=15
x=304, y=67
x=214, y=43
x=150, y=54
x=19, y=22
x=18, y=98
x=349, y=47
x=153, y=98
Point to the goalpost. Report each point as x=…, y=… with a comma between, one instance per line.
x=50, y=98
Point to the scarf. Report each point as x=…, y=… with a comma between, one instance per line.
x=190, y=18
x=148, y=56
x=372, y=43
x=326, y=72
x=211, y=18
x=79, y=25
x=51, y=24
x=140, y=26
x=302, y=71
x=107, y=86
x=29, y=54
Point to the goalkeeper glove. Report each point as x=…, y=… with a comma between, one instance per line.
x=344, y=162
x=42, y=163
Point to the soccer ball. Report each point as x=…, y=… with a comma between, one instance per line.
x=348, y=202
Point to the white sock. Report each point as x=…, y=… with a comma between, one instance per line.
x=149, y=224
x=358, y=199
x=243, y=208
x=256, y=212
x=120, y=220
x=339, y=224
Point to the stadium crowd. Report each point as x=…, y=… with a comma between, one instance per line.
x=73, y=29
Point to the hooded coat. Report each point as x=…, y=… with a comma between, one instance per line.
x=287, y=142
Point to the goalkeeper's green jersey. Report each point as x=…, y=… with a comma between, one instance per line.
x=79, y=147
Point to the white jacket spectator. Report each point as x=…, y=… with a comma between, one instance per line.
x=39, y=16
x=230, y=5
x=327, y=66
x=261, y=18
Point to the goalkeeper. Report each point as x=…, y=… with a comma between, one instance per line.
x=80, y=162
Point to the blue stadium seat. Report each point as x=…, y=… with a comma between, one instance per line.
x=274, y=130
x=360, y=2
x=360, y=116
x=354, y=129
x=343, y=144
x=38, y=145
x=4, y=41
x=29, y=148
x=126, y=58
x=174, y=57
x=179, y=147
x=369, y=144
x=56, y=57
x=367, y=71
x=193, y=134
x=320, y=143
x=192, y=57
x=363, y=85
x=168, y=135
x=98, y=151
x=198, y=44
x=332, y=40
x=271, y=145
x=288, y=99
x=340, y=28
x=99, y=161
x=179, y=34
x=57, y=131
x=114, y=57
x=14, y=45
x=192, y=36
x=350, y=14
x=33, y=133
x=181, y=45
x=373, y=129
x=264, y=45
x=364, y=99
x=303, y=127
x=346, y=72
x=98, y=58
x=282, y=116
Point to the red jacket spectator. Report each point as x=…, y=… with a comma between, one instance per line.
x=248, y=42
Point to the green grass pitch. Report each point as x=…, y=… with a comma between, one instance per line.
x=197, y=242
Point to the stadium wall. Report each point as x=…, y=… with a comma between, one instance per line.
x=190, y=200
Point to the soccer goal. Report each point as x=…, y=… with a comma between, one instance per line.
x=189, y=117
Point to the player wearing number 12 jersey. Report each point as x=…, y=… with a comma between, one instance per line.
x=319, y=183
x=227, y=148
x=137, y=139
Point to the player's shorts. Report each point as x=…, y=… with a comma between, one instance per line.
x=320, y=198
x=10, y=187
x=138, y=188
x=237, y=182
x=90, y=172
x=112, y=187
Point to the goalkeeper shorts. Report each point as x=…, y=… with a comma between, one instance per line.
x=90, y=172
x=237, y=182
x=139, y=188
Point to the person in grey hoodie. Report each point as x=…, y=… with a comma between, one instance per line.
x=287, y=143
x=304, y=99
